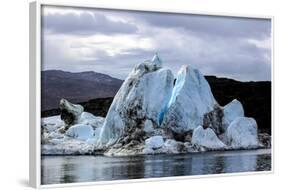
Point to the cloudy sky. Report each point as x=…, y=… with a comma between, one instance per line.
x=112, y=42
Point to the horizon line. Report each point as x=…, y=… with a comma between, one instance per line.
x=220, y=77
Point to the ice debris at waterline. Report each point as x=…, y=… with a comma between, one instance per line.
x=150, y=115
x=58, y=138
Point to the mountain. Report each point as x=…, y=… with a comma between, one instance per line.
x=75, y=87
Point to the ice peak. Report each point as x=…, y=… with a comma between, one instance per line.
x=193, y=74
x=156, y=59
x=188, y=69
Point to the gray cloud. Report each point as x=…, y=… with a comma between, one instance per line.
x=120, y=65
x=216, y=26
x=242, y=61
x=215, y=45
x=84, y=24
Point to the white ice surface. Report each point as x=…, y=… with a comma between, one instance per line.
x=80, y=132
x=89, y=119
x=145, y=91
x=191, y=99
x=206, y=138
x=154, y=142
x=231, y=111
x=78, y=139
x=242, y=133
x=51, y=123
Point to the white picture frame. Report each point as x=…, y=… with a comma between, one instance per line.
x=35, y=91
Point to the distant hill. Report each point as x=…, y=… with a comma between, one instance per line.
x=254, y=96
x=76, y=87
x=95, y=91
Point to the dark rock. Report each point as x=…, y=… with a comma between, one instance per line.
x=67, y=117
x=70, y=113
x=214, y=119
x=181, y=137
x=265, y=140
x=132, y=134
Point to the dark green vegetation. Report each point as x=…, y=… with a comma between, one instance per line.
x=254, y=96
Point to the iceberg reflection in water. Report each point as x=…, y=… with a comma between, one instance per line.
x=70, y=169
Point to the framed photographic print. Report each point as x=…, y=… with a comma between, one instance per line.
x=125, y=95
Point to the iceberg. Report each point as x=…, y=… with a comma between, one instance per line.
x=242, y=133
x=156, y=60
x=206, y=138
x=80, y=137
x=77, y=139
x=139, y=101
x=231, y=111
x=152, y=115
x=191, y=98
x=220, y=117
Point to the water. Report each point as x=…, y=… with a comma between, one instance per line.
x=69, y=169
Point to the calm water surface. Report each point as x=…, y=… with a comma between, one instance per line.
x=69, y=169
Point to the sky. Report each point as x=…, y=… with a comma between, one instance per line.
x=114, y=41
